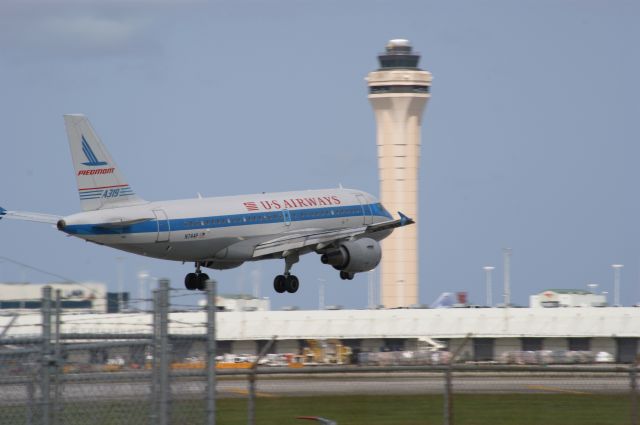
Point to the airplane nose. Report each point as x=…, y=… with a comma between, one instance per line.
x=61, y=225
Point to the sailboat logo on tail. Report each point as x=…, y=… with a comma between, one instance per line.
x=91, y=157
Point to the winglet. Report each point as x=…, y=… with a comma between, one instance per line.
x=404, y=220
x=2, y=212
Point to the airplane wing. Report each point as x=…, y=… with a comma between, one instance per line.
x=323, y=238
x=29, y=216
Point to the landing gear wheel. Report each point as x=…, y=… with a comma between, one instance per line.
x=292, y=284
x=346, y=275
x=279, y=284
x=202, y=281
x=191, y=281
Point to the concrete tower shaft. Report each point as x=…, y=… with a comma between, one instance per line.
x=398, y=92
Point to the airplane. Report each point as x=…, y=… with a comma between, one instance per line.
x=343, y=226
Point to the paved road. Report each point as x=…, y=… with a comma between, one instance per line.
x=336, y=384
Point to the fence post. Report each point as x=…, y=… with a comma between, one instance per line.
x=448, y=383
x=165, y=389
x=251, y=401
x=45, y=373
x=448, y=404
x=211, y=352
x=633, y=378
x=58, y=359
x=155, y=351
x=251, y=408
x=30, y=401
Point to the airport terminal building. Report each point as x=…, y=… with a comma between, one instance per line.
x=486, y=333
x=25, y=297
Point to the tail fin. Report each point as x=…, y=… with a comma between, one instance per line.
x=100, y=182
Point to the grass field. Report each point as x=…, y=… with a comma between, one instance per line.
x=514, y=409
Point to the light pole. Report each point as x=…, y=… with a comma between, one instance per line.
x=593, y=288
x=256, y=278
x=616, y=283
x=488, y=270
x=401, y=291
x=321, y=294
x=506, y=252
x=120, y=283
x=371, y=289
x=142, y=279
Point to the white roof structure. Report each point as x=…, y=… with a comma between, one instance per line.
x=362, y=324
x=399, y=42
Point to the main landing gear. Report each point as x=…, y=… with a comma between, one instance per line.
x=287, y=282
x=197, y=280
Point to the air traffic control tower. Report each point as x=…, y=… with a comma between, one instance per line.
x=398, y=92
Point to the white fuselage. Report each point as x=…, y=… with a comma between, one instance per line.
x=223, y=231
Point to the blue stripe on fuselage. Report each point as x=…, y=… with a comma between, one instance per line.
x=195, y=223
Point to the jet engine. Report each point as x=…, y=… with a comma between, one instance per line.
x=356, y=256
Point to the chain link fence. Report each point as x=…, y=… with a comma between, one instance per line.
x=159, y=378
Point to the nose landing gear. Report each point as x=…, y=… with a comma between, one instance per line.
x=197, y=280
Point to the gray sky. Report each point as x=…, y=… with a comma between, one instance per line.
x=529, y=140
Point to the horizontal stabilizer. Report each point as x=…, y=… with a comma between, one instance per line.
x=29, y=216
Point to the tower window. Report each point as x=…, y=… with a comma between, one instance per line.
x=399, y=89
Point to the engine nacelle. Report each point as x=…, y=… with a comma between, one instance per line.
x=356, y=256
